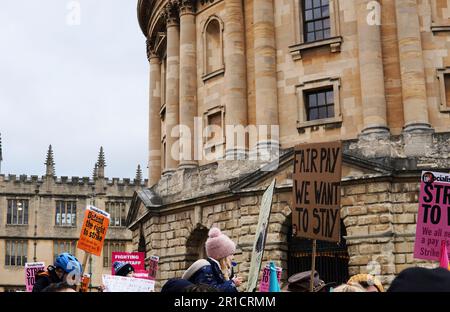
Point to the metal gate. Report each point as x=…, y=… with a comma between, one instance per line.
x=331, y=258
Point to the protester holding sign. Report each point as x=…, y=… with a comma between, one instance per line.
x=66, y=268
x=216, y=270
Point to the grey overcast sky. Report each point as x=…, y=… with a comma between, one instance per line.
x=77, y=87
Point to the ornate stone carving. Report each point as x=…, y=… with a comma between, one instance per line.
x=151, y=53
x=171, y=13
x=187, y=6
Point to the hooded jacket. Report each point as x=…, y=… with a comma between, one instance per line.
x=208, y=272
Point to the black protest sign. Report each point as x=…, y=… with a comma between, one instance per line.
x=316, y=191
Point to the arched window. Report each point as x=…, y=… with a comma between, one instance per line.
x=212, y=48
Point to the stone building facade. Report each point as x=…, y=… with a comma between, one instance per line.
x=373, y=74
x=42, y=217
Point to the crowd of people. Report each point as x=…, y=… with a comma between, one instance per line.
x=216, y=274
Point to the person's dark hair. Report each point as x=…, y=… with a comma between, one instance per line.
x=199, y=288
x=57, y=287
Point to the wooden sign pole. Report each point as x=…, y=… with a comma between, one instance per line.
x=313, y=265
x=85, y=260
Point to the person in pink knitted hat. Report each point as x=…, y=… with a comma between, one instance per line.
x=216, y=270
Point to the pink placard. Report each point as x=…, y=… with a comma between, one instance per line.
x=153, y=267
x=265, y=280
x=136, y=259
x=31, y=268
x=433, y=219
x=141, y=274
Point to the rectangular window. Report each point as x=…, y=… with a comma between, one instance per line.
x=108, y=248
x=316, y=20
x=66, y=213
x=17, y=212
x=117, y=213
x=319, y=104
x=16, y=252
x=60, y=246
x=447, y=88
x=215, y=120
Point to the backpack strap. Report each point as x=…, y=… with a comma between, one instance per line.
x=197, y=265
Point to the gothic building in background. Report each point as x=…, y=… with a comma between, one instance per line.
x=41, y=216
x=374, y=74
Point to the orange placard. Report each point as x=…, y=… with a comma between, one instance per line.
x=94, y=229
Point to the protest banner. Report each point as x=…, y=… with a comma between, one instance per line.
x=31, y=268
x=265, y=279
x=141, y=274
x=433, y=219
x=114, y=283
x=316, y=191
x=93, y=232
x=260, y=237
x=153, y=267
x=316, y=194
x=136, y=259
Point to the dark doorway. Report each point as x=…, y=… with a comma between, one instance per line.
x=331, y=258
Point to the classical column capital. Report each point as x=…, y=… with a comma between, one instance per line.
x=151, y=53
x=171, y=13
x=187, y=6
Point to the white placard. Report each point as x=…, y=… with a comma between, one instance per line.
x=114, y=283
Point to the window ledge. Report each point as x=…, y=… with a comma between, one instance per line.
x=66, y=226
x=334, y=43
x=21, y=225
x=213, y=74
x=328, y=123
x=444, y=108
x=436, y=28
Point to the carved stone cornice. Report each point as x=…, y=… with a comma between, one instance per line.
x=187, y=6
x=171, y=13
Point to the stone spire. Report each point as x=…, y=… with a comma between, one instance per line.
x=50, y=163
x=101, y=164
x=139, y=174
x=95, y=172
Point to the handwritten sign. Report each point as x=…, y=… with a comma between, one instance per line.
x=31, y=268
x=265, y=279
x=153, y=267
x=317, y=191
x=433, y=219
x=93, y=232
x=114, y=283
x=260, y=238
x=136, y=259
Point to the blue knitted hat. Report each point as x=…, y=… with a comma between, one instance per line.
x=122, y=268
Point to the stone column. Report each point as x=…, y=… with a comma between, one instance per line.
x=188, y=86
x=371, y=73
x=154, y=120
x=412, y=67
x=172, y=88
x=265, y=66
x=235, y=73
